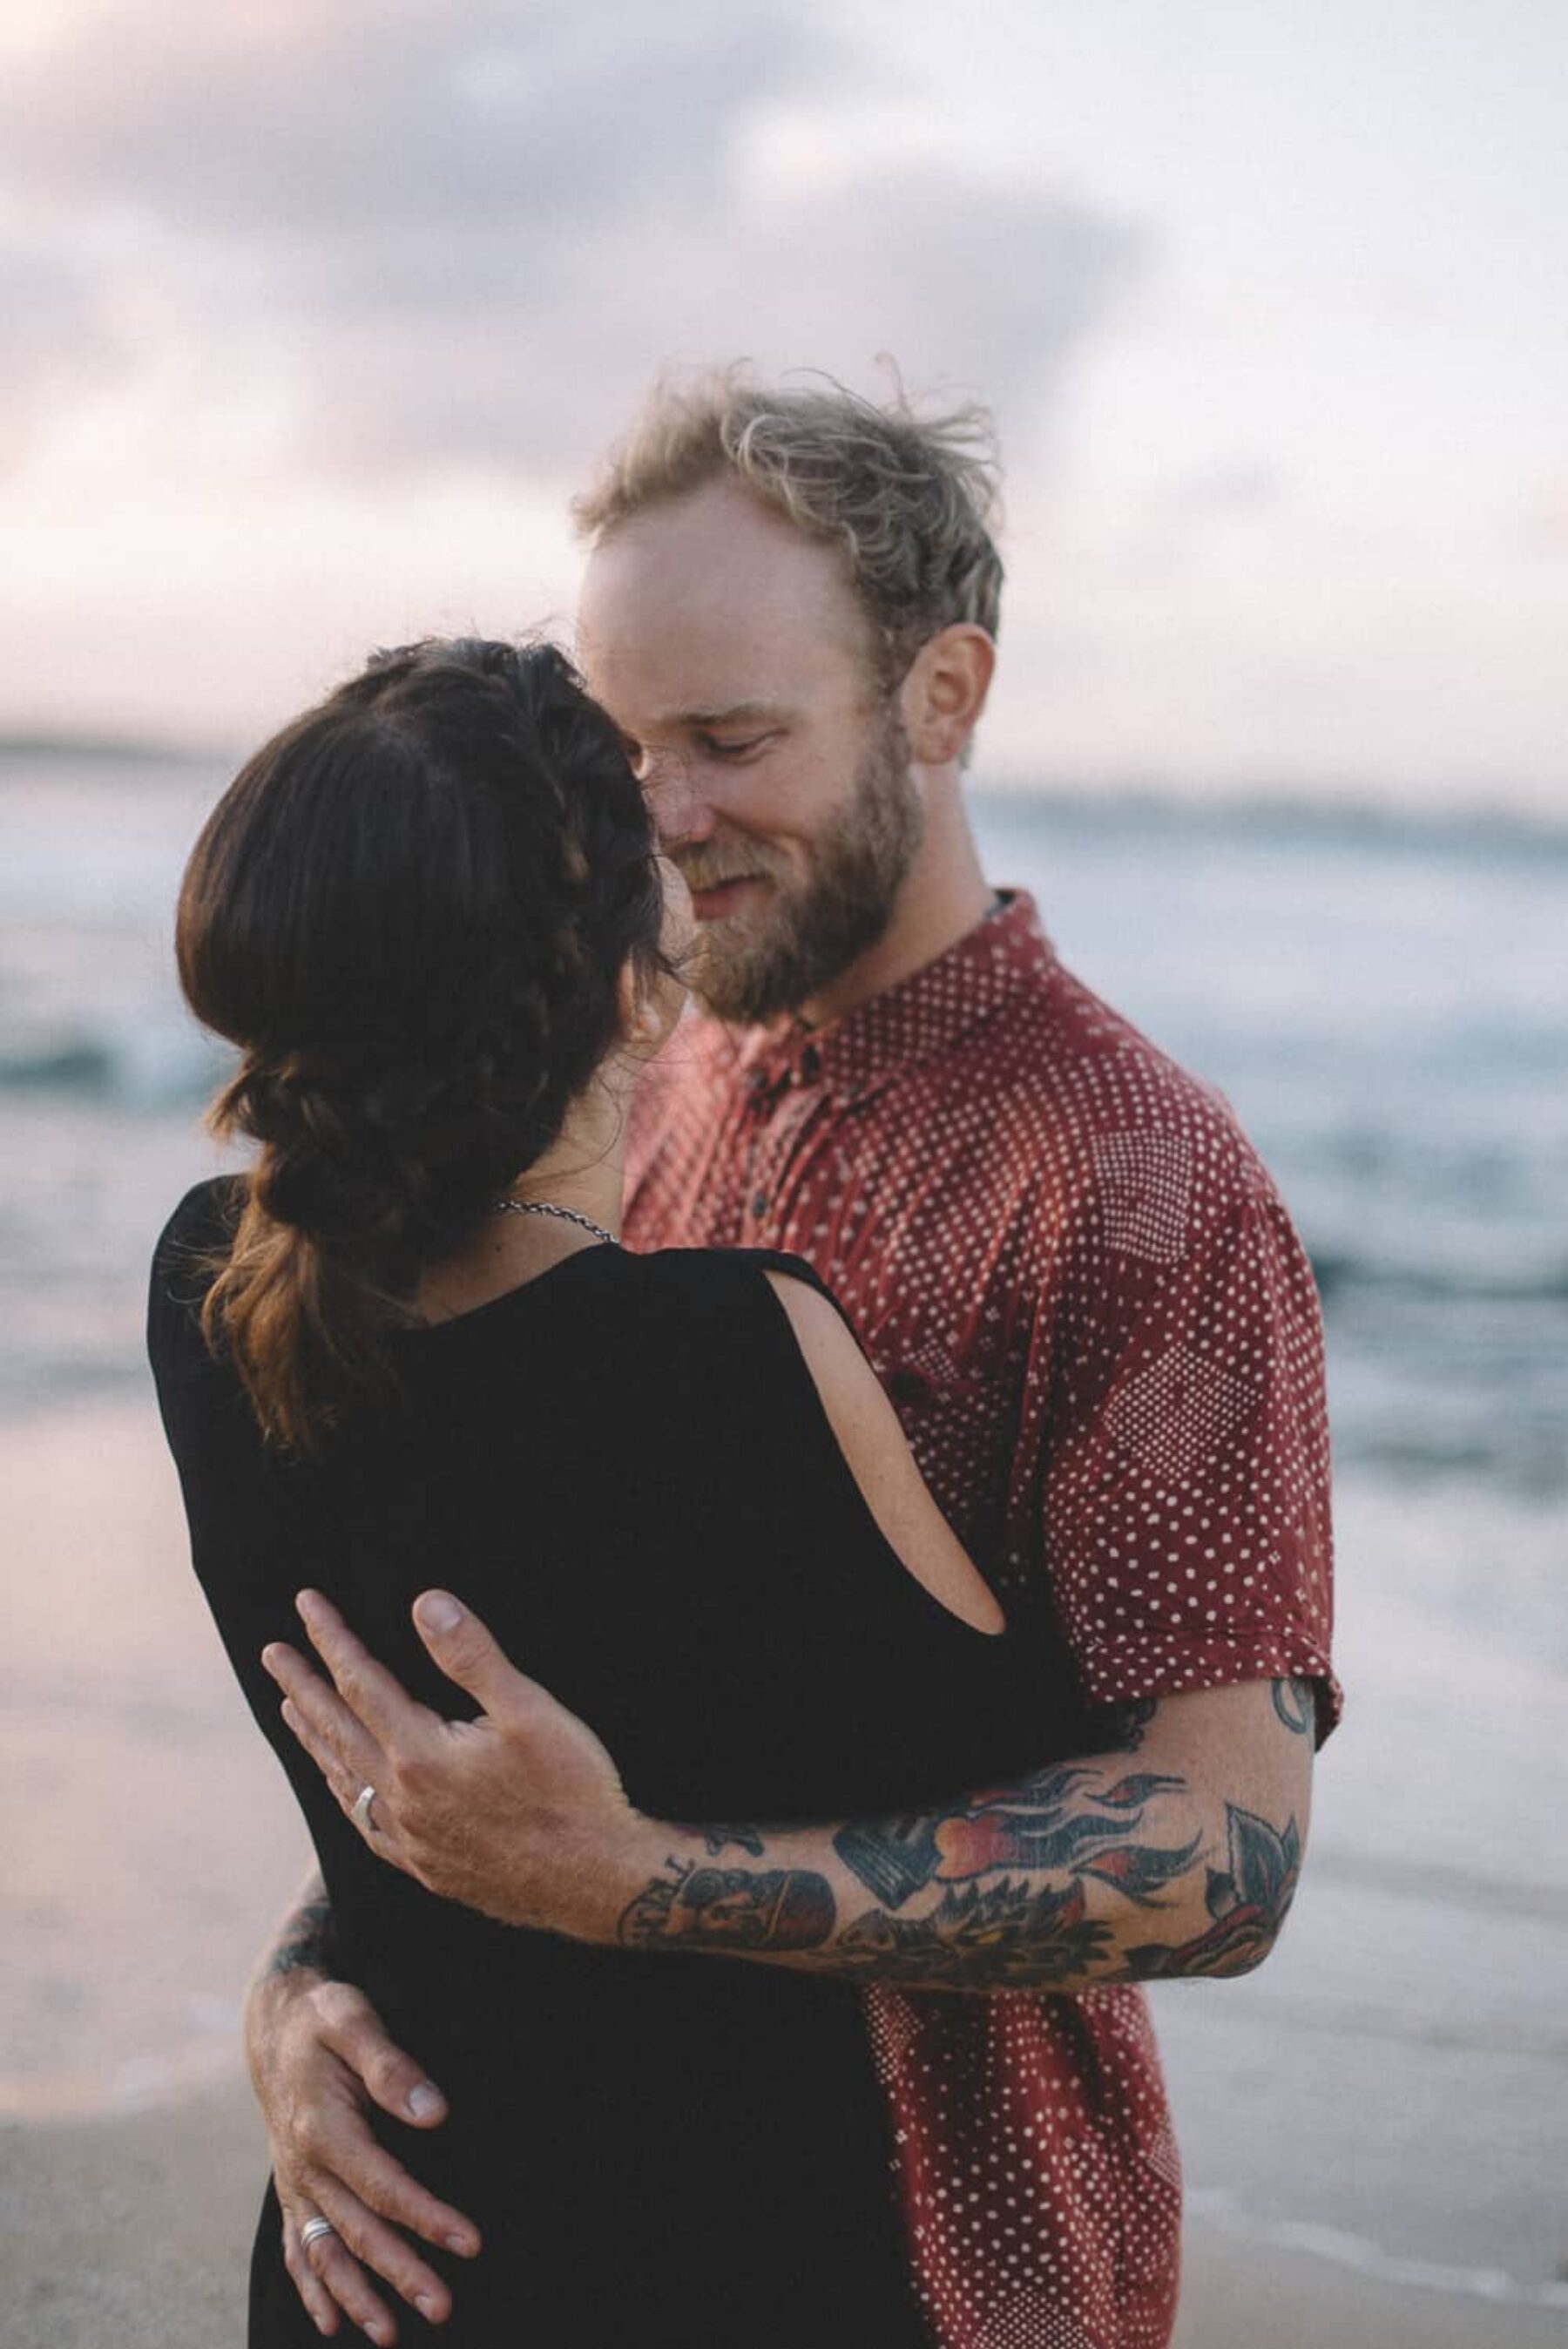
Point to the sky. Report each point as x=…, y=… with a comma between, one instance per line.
x=312, y=317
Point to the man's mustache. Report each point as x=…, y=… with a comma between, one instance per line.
x=703, y=869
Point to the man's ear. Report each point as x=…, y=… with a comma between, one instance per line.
x=629, y=1001
x=644, y=1021
x=943, y=695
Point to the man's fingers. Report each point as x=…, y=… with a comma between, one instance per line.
x=468, y=1654
x=382, y=2188
x=334, y=2270
x=363, y=2241
x=332, y=1728
x=352, y=2030
x=349, y=2025
x=369, y=1691
x=343, y=1782
x=319, y=2304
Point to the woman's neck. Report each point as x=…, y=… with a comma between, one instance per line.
x=583, y=1170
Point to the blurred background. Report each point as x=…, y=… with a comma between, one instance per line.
x=313, y=319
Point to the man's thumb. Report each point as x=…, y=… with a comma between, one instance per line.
x=460, y=1644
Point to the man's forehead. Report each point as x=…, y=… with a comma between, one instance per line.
x=670, y=665
x=690, y=667
x=711, y=593
x=635, y=597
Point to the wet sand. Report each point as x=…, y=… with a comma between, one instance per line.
x=150, y=1838
x=136, y=2231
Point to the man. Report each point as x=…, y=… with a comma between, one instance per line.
x=1084, y=1298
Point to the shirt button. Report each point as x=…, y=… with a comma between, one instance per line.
x=759, y=1203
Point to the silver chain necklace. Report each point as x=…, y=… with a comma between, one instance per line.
x=567, y=1215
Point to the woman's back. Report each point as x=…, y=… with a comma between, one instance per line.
x=625, y=1467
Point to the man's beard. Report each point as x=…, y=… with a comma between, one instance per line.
x=812, y=930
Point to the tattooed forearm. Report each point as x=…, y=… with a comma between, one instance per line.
x=736, y=1908
x=1058, y=1820
x=305, y=1937
x=1248, y=1903
x=893, y=1858
x=1059, y=1882
x=1010, y=1937
x=1007, y=1937
x=719, y=1836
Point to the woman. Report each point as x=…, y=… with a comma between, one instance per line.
x=430, y=916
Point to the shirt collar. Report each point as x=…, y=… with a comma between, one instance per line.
x=922, y=1015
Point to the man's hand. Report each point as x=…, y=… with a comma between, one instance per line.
x=318, y=2058
x=520, y=1813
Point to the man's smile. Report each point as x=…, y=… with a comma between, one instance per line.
x=727, y=896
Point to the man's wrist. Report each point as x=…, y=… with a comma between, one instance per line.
x=298, y=1959
x=275, y=1993
x=619, y=1870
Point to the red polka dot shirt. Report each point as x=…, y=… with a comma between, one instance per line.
x=1076, y=1282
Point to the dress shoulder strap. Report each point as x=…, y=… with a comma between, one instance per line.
x=795, y=1267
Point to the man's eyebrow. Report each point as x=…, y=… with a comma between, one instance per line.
x=734, y=713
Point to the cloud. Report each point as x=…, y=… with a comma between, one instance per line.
x=1540, y=527
x=380, y=118
x=59, y=338
x=1243, y=486
x=443, y=234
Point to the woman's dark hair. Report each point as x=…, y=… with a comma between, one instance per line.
x=410, y=911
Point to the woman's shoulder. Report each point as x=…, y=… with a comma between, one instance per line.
x=795, y=1372
x=720, y=1320
x=726, y=1274
x=189, y=1249
x=203, y=1222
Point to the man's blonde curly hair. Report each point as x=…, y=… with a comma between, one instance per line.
x=910, y=499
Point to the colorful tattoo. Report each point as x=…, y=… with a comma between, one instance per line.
x=1006, y=1937
x=773, y=1909
x=893, y=1858
x=992, y=1924
x=1248, y=1904
x=1057, y=1819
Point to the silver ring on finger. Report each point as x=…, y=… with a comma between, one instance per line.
x=313, y=2229
x=360, y=1814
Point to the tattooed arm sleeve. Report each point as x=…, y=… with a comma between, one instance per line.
x=303, y=1942
x=1174, y=1853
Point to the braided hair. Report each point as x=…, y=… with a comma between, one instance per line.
x=410, y=911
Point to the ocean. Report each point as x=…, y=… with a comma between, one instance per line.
x=1384, y=998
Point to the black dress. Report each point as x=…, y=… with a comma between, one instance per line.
x=625, y=1467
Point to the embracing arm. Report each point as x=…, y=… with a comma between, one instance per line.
x=318, y=2060
x=1170, y=1849
x=1174, y=1852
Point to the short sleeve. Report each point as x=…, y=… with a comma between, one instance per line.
x=1186, y=1491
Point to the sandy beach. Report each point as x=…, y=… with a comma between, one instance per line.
x=136, y=2231
x=1371, y=2125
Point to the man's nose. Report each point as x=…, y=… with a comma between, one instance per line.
x=680, y=810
